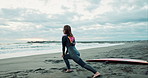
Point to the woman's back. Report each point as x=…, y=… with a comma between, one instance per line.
x=68, y=41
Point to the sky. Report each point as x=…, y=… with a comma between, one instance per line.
x=91, y=20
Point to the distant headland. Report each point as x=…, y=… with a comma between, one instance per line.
x=90, y=41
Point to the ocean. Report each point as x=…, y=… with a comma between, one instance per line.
x=11, y=50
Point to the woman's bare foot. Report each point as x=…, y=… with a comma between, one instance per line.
x=97, y=74
x=69, y=70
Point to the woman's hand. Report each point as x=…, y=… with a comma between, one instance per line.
x=62, y=55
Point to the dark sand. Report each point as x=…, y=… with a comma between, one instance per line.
x=52, y=65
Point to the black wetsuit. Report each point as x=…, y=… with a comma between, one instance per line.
x=73, y=53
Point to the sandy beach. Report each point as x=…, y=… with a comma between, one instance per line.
x=52, y=65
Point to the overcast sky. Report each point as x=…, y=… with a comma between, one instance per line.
x=90, y=19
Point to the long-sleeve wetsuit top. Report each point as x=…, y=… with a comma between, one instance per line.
x=67, y=41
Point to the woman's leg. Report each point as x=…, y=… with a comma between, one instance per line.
x=66, y=57
x=75, y=55
x=79, y=61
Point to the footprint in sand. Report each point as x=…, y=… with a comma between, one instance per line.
x=53, y=61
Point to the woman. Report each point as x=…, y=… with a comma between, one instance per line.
x=68, y=41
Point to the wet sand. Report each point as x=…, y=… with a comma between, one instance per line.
x=53, y=66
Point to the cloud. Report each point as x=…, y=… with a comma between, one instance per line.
x=97, y=19
x=123, y=31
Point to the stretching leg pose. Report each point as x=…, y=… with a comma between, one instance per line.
x=68, y=41
x=76, y=57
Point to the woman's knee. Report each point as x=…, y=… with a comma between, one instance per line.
x=66, y=57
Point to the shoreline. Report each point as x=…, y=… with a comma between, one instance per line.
x=49, y=65
x=40, y=52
